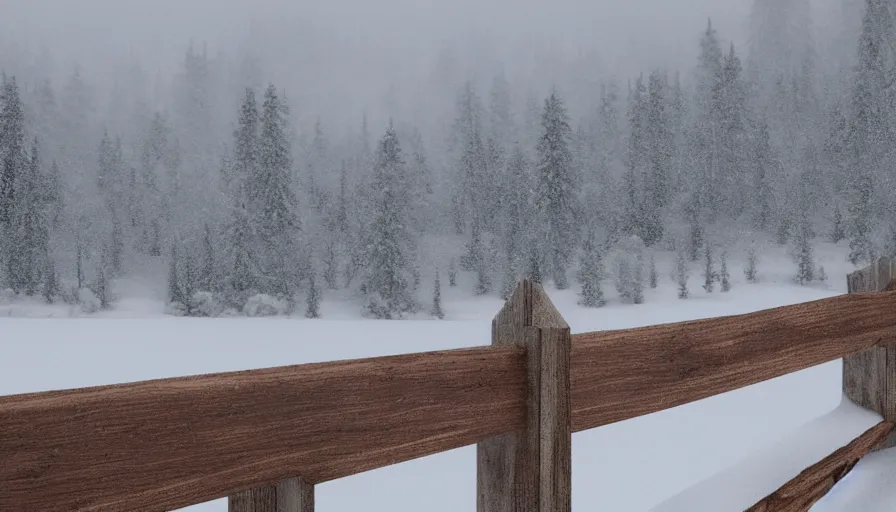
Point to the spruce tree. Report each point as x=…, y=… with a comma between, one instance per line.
x=803, y=254
x=312, y=309
x=682, y=274
x=837, y=232
x=176, y=294
x=709, y=272
x=751, y=272
x=724, y=277
x=591, y=273
x=822, y=275
x=437, y=299
x=207, y=275
x=556, y=190
x=452, y=273
x=271, y=198
x=389, y=279
x=652, y=276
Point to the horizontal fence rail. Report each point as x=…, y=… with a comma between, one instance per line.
x=164, y=444
x=617, y=375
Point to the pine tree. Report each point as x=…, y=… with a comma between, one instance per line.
x=312, y=309
x=51, y=282
x=331, y=265
x=682, y=274
x=28, y=234
x=763, y=164
x=803, y=253
x=709, y=272
x=555, y=192
x=176, y=294
x=242, y=269
x=821, y=276
x=837, y=232
x=452, y=273
x=652, y=276
x=271, y=199
x=591, y=273
x=724, y=277
x=207, y=275
x=695, y=239
x=101, y=287
x=12, y=147
x=659, y=153
x=477, y=261
x=752, y=261
x=389, y=280
x=437, y=299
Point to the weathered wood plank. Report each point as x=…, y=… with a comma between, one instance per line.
x=530, y=470
x=617, y=375
x=869, y=377
x=165, y=444
x=290, y=495
x=805, y=489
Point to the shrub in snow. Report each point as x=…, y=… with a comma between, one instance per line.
x=176, y=308
x=88, y=301
x=265, y=305
x=205, y=304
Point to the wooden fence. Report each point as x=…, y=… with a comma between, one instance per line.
x=266, y=437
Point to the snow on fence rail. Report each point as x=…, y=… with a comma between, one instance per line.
x=266, y=437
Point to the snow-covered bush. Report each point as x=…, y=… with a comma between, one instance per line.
x=265, y=305
x=176, y=308
x=88, y=301
x=205, y=304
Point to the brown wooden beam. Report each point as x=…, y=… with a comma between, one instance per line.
x=617, y=375
x=869, y=376
x=530, y=470
x=805, y=489
x=165, y=444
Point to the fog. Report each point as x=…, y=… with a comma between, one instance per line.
x=336, y=58
x=256, y=147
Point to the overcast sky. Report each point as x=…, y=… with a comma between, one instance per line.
x=343, y=54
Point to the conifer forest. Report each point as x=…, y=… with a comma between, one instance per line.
x=218, y=178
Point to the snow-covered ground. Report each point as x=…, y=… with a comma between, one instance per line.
x=718, y=454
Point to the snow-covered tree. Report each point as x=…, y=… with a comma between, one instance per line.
x=682, y=273
x=437, y=299
x=312, y=306
x=724, y=277
x=556, y=200
x=709, y=270
x=391, y=247
x=591, y=272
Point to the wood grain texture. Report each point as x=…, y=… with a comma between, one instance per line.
x=617, y=375
x=869, y=377
x=805, y=489
x=290, y=495
x=530, y=470
x=165, y=444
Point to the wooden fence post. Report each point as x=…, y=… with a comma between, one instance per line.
x=529, y=471
x=869, y=377
x=290, y=495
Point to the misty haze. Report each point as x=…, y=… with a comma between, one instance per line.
x=645, y=161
